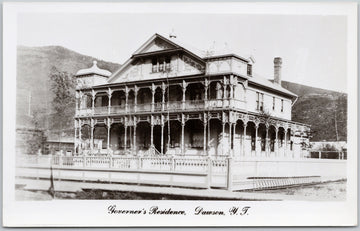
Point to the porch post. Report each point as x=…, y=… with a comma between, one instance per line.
x=109, y=96
x=135, y=136
x=184, y=85
x=182, y=134
x=257, y=146
x=230, y=139
x=136, y=89
x=224, y=91
x=75, y=140
x=231, y=95
x=163, y=88
x=162, y=134
x=208, y=135
x=223, y=138
x=80, y=141
x=206, y=85
x=233, y=138
x=108, y=134
x=285, y=143
x=204, y=124
x=267, y=146
x=92, y=134
x=276, y=142
x=93, y=94
x=153, y=89
x=126, y=98
x=244, y=139
x=301, y=151
x=125, y=135
x=152, y=132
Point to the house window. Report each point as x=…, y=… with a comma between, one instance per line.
x=161, y=64
x=154, y=65
x=249, y=70
x=273, y=103
x=282, y=105
x=259, y=101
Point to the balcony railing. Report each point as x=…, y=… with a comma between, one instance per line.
x=167, y=106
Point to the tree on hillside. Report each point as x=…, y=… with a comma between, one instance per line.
x=63, y=102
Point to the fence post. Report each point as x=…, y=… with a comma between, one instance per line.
x=319, y=155
x=229, y=173
x=172, y=163
x=209, y=172
x=110, y=162
x=139, y=163
x=60, y=161
x=84, y=161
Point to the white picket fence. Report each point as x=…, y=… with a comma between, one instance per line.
x=204, y=172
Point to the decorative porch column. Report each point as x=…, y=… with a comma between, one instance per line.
x=92, y=134
x=206, y=86
x=223, y=138
x=153, y=89
x=152, y=132
x=267, y=146
x=135, y=125
x=108, y=125
x=162, y=134
x=163, y=89
x=125, y=134
x=184, y=85
x=136, y=89
x=244, y=139
x=257, y=144
x=109, y=96
x=285, y=143
x=80, y=141
x=230, y=138
x=205, y=124
x=76, y=140
x=93, y=94
x=224, y=91
x=233, y=139
x=126, y=98
x=208, y=134
x=231, y=97
x=301, y=150
x=276, y=142
x=182, y=134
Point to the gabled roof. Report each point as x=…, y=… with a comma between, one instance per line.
x=259, y=80
x=202, y=55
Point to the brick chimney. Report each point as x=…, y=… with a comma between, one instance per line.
x=277, y=70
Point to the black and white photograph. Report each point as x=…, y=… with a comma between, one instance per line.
x=179, y=114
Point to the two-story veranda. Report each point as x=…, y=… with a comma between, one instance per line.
x=168, y=100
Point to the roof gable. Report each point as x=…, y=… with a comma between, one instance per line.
x=156, y=43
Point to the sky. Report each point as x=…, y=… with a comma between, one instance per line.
x=312, y=47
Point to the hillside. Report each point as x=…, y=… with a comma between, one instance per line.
x=324, y=110
x=317, y=107
x=33, y=68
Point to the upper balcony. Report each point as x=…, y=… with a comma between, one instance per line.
x=171, y=106
x=176, y=97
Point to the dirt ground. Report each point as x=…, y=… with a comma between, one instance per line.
x=332, y=191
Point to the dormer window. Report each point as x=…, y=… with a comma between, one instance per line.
x=161, y=64
x=249, y=70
